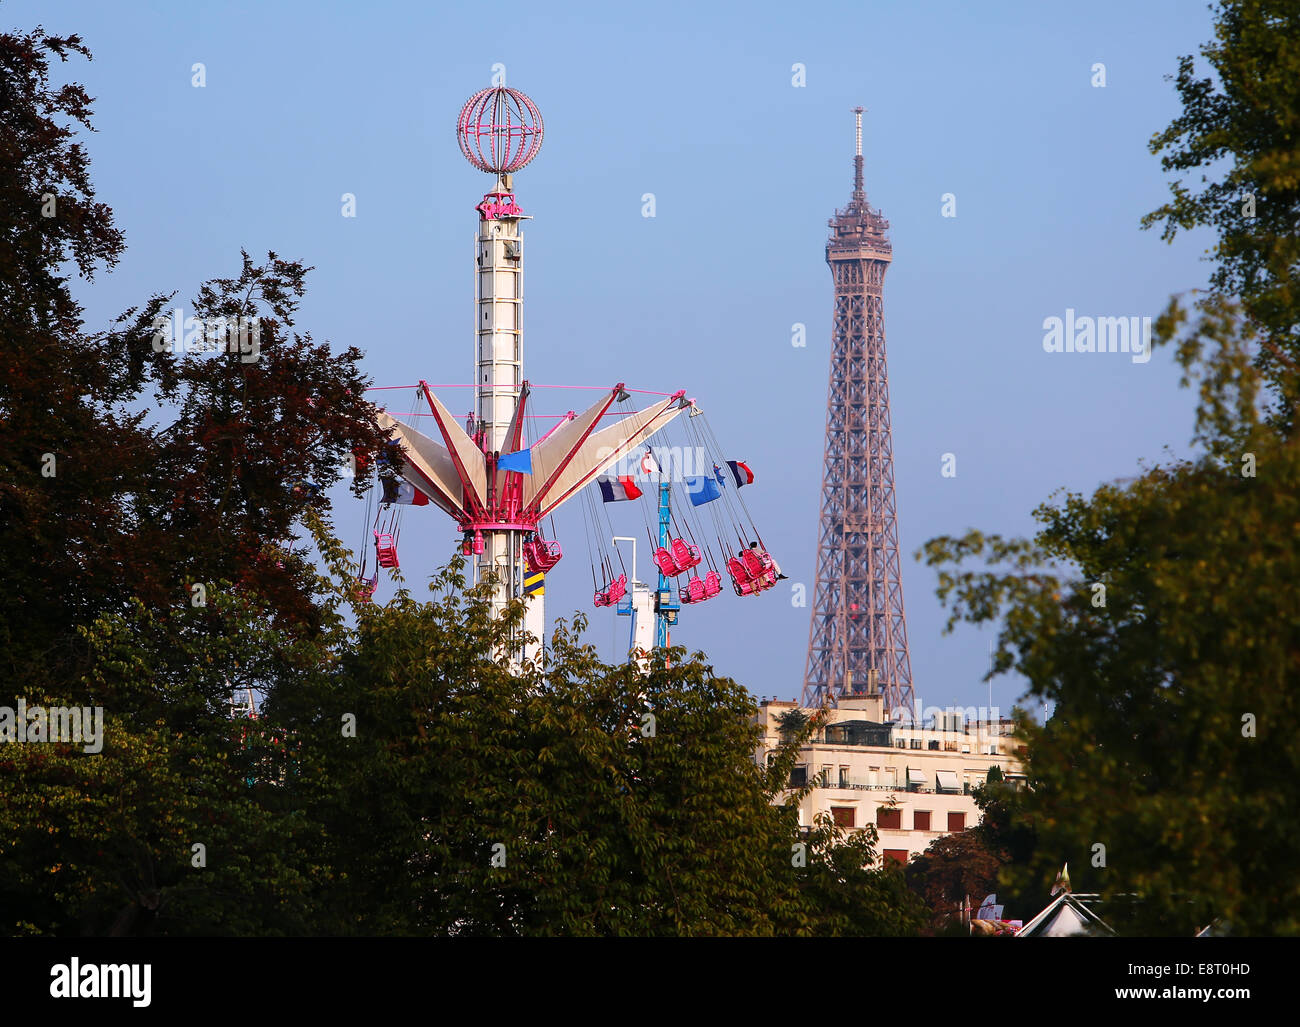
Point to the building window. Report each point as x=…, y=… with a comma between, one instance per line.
x=946, y=781
x=826, y=777
x=921, y=820
x=844, y=816
x=798, y=777
x=916, y=743
x=889, y=819
x=902, y=744
x=844, y=777
x=934, y=743
x=956, y=821
x=873, y=776
x=898, y=856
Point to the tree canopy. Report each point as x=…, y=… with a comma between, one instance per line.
x=1166, y=767
x=1158, y=617
x=1240, y=127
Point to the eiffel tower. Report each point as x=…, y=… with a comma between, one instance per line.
x=857, y=642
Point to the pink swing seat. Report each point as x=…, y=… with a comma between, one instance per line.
x=542, y=555
x=685, y=556
x=385, y=550
x=613, y=592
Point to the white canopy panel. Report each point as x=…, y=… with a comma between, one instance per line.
x=428, y=466
x=600, y=451
x=549, y=454
x=471, y=457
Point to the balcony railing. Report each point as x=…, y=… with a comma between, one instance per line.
x=798, y=780
x=867, y=786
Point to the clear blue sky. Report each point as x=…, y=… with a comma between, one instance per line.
x=693, y=102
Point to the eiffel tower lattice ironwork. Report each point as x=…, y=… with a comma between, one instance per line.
x=857, y=642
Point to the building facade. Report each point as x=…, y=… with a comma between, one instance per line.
x=913, y=782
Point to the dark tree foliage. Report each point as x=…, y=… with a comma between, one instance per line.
x=404, y=780
x=1165, y=774
x=791, y=722
x=128, y=475
x=103, y=500
x=952, y=870
x=1165, y=771
x=1006, y=826
x=254, y=443
x=573, y=798
x=52, y=376
x=1240, y=131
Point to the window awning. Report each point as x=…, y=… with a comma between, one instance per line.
x=947, y=780
x=915, y=776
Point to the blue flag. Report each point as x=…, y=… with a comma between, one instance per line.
x=702, y=489
x=521, y=461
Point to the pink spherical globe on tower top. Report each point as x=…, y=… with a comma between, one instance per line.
x=500, y=130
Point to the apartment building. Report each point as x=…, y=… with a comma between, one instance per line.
x=912, y=781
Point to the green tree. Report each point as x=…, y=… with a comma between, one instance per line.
x=55, y=512
x=953, y=869
x=1163, y=773
x=128, y=471
x=1166, y=768
x=128, y=475
x=791, y=722
x=572, y=798
x=104, y=843
x=1240, y=129
x=1006, y=826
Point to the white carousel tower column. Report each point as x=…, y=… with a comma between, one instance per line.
x=499, y=361
x=498, y=330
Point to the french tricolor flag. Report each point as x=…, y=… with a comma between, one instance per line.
x=741, y=473
x=612, y=490
x=403, y=492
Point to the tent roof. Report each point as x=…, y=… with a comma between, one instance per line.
x=1066, y=916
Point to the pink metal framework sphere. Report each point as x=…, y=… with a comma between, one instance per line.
x=500, y=130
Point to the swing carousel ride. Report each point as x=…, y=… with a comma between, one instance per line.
x=507, y=470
